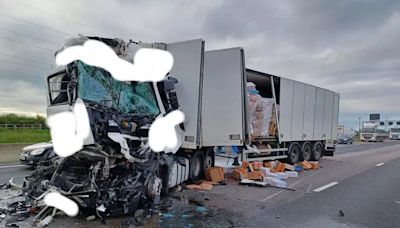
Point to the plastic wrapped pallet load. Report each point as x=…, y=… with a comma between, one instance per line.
x=261, y=112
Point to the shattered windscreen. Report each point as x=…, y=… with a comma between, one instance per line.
x=97, y=85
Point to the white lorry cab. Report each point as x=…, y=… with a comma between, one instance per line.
x=394, y=133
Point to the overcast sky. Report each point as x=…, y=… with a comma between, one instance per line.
x=351, y=47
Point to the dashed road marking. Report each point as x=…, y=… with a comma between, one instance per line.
x=326, y=186
x=12, y=166
x=380, y=164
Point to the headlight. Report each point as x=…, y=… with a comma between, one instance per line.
x=37, y=151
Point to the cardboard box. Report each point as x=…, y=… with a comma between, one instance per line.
x=314, y=165
x=257, y=165
x=268, y=180
x=292, y=173
x=275, y=182
x=265, y=170
x=305, y=165
x=215, y=174
x=278, y=183
x=245, y=164
x=256, y=175
x=240, y=174
x=289, y=167
x=282, y=175
x=273, y=175
x=279, y=166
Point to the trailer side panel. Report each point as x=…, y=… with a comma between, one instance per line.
x=223, y=98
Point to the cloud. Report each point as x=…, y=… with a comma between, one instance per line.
x=337, y=44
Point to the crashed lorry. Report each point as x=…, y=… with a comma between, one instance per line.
x=116, y=172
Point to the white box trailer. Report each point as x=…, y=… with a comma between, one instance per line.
x=306, y=123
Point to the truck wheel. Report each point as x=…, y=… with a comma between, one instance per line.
x=316, y=152
x=293, y=153
x=164, y=175
x=196, y=166
x=306, y=152
x=209, y=159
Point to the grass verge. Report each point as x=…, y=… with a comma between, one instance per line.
x=24, y=136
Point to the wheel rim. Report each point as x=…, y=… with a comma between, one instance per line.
x=294, y=155
x=317, y=153
x=307, y=153
x=208, y=161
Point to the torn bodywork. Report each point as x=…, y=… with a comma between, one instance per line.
x=116, y=172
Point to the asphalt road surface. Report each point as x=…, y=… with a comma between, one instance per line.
x=341, y=148
x=358, y=187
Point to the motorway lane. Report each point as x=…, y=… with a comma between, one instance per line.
x=369, y=199
x=356, y=147
x=16, y=171
x=271, y=207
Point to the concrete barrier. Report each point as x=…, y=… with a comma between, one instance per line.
x=9, y=152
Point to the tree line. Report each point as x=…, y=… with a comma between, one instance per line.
x=12, y=118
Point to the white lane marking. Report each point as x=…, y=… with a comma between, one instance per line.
x=294, y=184
x=325, y=186
x=271, y=196
x=380, y=164
x=12, y=166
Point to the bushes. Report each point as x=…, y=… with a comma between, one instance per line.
x=13, y=118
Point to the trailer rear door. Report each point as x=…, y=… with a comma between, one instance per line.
x=188, y=69
x=328, y=115
x=224, y=99
x=335, y=117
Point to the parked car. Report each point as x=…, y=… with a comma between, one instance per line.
x=33, y=154
x=344, y=139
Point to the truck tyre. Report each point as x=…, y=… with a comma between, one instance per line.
x=306, y=151
x=316, y=152
x=209, y=158
x=293, y=153
x=164, y=175
x=196, y=166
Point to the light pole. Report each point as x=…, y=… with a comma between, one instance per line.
x=359, y=127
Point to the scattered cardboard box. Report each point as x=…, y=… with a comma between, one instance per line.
x=305, y=165
x=202, y=187
x=292, y=173
x=240, y=173
x=257, y=165
x=265, y=170
x=314, y=165
x=256, y=175
x=289, y=167
x=279, y=166
x=282, y=175
x=252, y=182
x=215, y=174
x=275, y=182
x=273, y=175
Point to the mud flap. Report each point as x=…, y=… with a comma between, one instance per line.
x=328, y=152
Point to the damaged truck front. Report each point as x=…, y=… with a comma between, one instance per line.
x=116, y=172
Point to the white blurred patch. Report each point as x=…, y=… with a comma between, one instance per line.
x=55, y=199
x=69, y=129
x=150, y=64
x=163, y=135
